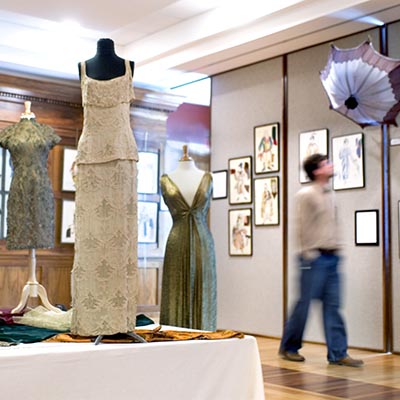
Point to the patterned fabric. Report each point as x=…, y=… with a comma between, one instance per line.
x=154, y=335
x=104, y=276
x=30, y=219
x=189, y=293
x=106, y=109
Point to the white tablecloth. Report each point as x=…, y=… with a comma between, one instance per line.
x=226, y=369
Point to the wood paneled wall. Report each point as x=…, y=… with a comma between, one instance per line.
x=58, y=104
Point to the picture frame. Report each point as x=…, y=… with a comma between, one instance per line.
x=311, y=142
x=240, y=180
x=67, y=182
x=8, y=172
x=266, y=201
x=5, y=216
x=148, y=172
x=348, y=161
x=240, y=232
x=266, y=148
x=366, y=227
x=67, y=221
x=147, y=221
x=220, y=184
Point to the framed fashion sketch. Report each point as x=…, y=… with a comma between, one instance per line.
x=266, y=148
x=348, y=161
x=240, y=232
x=266, y=201
x=69, y=155
x=148, y=167
x=240, y=173
x=220, y=184
x=147, y=221
x=366, y=228
x=67, y=221
x=311, y=142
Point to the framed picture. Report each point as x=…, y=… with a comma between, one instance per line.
x=367, y=228
x=266, y=201
x=147, y=221
x=67, y=221
x=5, y=216
x=8, y=172
x=311, y=142
x=220, y=184
x=163, y=206
x=148, y=167
x=266, y=148
x=69, y=155
x=240, y=232
x=240, y=172
x=348, y=161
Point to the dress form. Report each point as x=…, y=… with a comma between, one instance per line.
x=32, y=287
x=107, y=92
x=105, y=64
x=187, y=176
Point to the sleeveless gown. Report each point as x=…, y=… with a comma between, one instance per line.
x=189, y=287
x=104, y=275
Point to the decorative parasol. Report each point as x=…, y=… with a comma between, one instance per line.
x=363, y=85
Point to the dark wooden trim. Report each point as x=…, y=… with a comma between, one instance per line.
x=386, y=221
x=284, y=185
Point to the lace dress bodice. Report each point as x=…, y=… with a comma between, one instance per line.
x=106, y=109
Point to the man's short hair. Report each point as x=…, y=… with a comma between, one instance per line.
x=312, y=163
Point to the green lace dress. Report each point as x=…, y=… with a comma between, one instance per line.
x=189, y=287
x=30, y=206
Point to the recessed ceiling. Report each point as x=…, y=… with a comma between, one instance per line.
x=174, y=41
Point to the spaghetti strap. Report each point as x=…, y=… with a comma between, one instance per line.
x=83, y=68
x=128, y=68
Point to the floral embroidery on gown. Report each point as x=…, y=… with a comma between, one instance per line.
x=30, y=205
x=189, y=287
x=104, y=276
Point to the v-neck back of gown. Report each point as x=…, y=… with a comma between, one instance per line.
x=188, y=297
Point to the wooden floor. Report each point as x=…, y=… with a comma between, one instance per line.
x=315, y=379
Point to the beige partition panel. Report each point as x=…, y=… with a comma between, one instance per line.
x=394, y=51
x=308, y=109
x=249, y=287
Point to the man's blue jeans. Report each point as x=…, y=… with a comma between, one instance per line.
x=319, y=280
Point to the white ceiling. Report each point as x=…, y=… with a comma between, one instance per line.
x=174, y=41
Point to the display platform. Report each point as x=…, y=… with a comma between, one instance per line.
x=227, y=369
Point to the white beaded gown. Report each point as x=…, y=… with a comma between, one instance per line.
x=104, y=275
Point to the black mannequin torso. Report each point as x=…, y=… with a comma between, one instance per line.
x=105, y=64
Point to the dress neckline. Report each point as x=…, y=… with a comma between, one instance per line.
x=180, y=193
x=105, y=80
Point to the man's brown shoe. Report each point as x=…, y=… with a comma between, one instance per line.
x=290, y=356
x=348, y=362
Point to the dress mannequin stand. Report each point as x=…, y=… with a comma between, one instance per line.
x=104, y=66
x=187, y=176
x=188, y=295
x=32, y=287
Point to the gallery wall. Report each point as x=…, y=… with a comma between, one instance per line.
x=249, y=287
x=255, y=292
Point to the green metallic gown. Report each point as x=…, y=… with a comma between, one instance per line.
x=189, y=292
